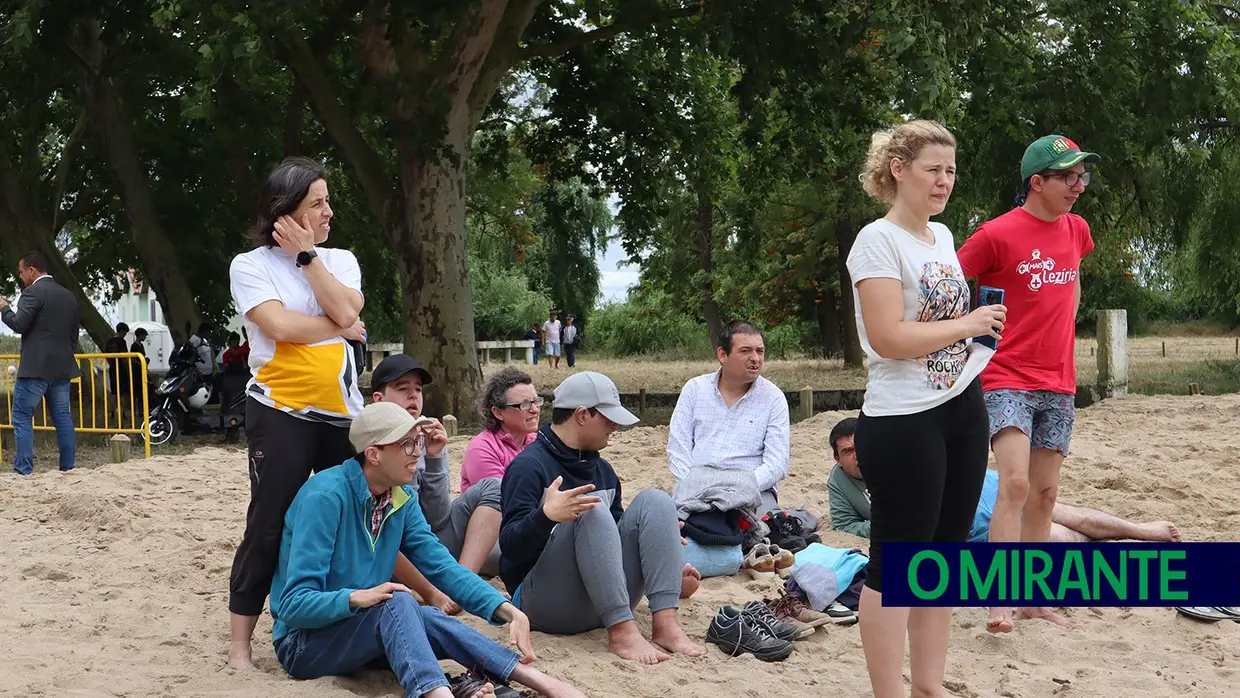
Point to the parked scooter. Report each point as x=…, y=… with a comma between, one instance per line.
x=179, y=402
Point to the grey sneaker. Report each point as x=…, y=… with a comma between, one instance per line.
x=735, y=634
x=782, y=628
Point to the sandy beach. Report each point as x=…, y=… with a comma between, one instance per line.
x=113, y=580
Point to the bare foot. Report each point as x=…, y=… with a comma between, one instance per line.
x=445, y=604
x=626, y=642
x=676, y=641
x=1044, y=614
x=1000, y=621
x=241, y=657
x=690, y=580
x=1161, y=530
x=558, y=689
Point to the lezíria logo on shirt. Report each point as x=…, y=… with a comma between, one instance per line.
x=1042, y=271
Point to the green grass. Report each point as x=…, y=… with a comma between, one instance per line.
x=1212, y=376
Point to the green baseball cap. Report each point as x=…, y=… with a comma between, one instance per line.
x=1053, y=153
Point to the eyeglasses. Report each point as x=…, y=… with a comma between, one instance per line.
x=414, y=446
x=1069, y=178
x=524, y=405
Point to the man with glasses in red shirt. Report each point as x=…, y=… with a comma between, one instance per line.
x=1033, y=253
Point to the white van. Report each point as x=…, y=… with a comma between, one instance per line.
x=159, y=345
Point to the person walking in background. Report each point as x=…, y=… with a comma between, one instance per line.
x=551, y=340
x=301, y=304
x=135, y=364
x=921, y=440
x=570, y=340
x=139, y=343
x=1033, y=253
x=118, y=369
x=47, y=318
x=236, y=358
x=533, y=334
x=204, y=354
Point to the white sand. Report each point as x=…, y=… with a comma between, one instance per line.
x=113, y=581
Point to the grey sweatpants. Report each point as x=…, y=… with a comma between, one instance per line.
x=594, y=571
x=451, y=523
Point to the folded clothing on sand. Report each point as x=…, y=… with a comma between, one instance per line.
x=824, y=573
x=713, y=560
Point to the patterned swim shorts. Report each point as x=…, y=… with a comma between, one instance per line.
x=1045, y=417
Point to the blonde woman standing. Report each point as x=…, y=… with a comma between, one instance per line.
x=922, y=438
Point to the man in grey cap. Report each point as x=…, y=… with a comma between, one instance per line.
x=573, y=558
x=468, y=525
x=335, y=608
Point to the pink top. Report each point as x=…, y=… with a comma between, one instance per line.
x=488, y=455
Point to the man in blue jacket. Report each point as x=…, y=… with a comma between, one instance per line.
x=334, y=607
x=571, y=555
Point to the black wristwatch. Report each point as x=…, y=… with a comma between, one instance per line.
x=304, y=258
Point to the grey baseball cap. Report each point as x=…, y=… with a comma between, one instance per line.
x=593, y=390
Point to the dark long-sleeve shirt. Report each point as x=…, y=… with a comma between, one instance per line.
x=525, y=529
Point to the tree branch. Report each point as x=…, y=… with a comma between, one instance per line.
x=65, y=163
x=614, y=29
x=465, y=54
x=81, y=208
x=361, y=156
x=505, y=53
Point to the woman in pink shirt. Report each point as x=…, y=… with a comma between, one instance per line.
x=509, y=407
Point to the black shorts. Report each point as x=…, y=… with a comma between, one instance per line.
x=283, y=451
x=924, y=472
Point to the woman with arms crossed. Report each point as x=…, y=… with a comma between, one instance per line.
x=921, y=439
x=301, y=304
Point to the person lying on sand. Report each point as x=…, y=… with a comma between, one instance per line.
x=334, y=607
x=469, y=525
x=850, y=512
x=573, y=558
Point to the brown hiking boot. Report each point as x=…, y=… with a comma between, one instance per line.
x=789, y=607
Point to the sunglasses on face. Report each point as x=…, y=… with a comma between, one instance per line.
x=524, y=405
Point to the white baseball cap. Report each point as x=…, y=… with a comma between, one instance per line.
x=593, y=390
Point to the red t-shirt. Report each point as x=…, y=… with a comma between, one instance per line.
x=238, y=357
x=1037, y=264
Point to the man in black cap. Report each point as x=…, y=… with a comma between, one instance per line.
x=467, y=526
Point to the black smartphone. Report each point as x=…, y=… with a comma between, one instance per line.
x=988, y=295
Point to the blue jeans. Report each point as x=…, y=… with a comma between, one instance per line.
x=26, y=396
x=398, y=634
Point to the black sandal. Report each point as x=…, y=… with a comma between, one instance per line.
x=466, y=685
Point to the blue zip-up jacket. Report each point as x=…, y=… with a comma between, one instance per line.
x=327, y=552
x=525, y=529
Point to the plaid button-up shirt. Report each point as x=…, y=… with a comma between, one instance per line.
x=378, y=507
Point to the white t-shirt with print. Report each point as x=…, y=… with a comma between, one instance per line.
x=934, y=289
x=312, y=381
x=552, y=329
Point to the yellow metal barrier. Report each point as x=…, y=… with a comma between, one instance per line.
x=111, y=400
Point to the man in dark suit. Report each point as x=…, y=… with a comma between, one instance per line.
x=47, y=318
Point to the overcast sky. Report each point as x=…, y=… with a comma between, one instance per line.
x=616, y=280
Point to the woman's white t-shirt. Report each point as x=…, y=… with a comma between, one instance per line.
x=311, y=381
x=934, y=289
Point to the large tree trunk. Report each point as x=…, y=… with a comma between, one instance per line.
x=706, y=248
x=429, y=241
x=844, y=237
x=828, y=316
x=20, y=232
x=160, y=264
